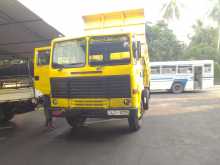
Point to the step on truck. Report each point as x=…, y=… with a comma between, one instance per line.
x=17, y=94
x=102, y=74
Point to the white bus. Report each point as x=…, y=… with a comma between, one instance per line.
x=179, y=76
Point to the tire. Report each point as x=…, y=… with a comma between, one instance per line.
x=133, y=121
x=2, y=116
x=145, y=98
x=74, y=121
x=6, y=113
x=177, y=88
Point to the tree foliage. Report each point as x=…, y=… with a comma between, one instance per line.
x=203, y=46
x=171, y=10
x=203, y=43
x=215, y=15
x=163, y=44
x=215, y=12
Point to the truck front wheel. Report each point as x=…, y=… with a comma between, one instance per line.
x=74, y=121
x=133, y=121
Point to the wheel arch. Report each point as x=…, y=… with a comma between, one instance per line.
x=183, y=82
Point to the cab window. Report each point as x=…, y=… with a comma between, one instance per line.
x=43, y=57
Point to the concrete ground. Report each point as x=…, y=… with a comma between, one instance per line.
x=179, y=129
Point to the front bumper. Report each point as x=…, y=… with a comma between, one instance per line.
x=94, y=113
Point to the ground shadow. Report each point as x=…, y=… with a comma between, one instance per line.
x=96, y=132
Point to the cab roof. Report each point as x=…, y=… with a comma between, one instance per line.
x=84, y=36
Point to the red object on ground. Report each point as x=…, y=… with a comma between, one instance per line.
x=57, y=114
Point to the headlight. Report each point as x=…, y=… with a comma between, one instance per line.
x=127, y=101
x=54, y=101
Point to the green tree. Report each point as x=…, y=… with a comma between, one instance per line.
x=171, y=10
x=163, y=44
x=215, y=15
x=203, y=43
x=203, y=46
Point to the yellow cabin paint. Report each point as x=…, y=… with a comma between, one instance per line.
x=135, y=69
x=113, y=48
x=41, y=70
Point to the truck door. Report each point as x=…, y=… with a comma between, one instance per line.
x=41, y=70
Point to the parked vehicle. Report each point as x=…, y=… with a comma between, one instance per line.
x=179, y=76
x=100, y=75
x=16, y=90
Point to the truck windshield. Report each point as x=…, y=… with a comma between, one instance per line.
x=109, y=50
x=71, y=53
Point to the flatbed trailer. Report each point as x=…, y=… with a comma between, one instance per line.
x=13, y=95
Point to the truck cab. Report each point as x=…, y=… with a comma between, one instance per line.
x=100, y=76
x=104, y=73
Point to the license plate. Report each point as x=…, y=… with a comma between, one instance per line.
x=117, y=112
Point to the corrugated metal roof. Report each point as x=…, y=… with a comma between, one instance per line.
x=21, y=30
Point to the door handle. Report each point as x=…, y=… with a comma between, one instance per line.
x=36, y=78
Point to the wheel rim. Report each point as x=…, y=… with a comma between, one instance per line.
x=177, y=88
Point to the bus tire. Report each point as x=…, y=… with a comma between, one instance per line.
x=177, y=88
x=133, y=121
x=145, y=96
x=75, y=121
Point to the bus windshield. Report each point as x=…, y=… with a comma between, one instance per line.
x=71, y=53
x=109, y=50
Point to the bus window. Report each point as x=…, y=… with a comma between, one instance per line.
x=155, y=70
x=168, y=70
x=207, y=68
x=185, y=69
x=43, y=57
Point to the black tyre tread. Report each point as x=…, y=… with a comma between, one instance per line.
x=8, y=116
x=7, y=113
x=134, y=123
x=146, y=94
x=173, y=88
x=75, y=121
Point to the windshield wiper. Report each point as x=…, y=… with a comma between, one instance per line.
x=58, y=66
x=79, y=63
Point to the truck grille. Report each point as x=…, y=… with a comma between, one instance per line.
x=91, y=87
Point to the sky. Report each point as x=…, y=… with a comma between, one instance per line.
x=66, y=15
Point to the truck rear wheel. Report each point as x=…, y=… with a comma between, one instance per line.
x=74, y=121
x=145, y=98
x=6, y=114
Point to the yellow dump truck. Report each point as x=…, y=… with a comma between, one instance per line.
x=103, y=74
